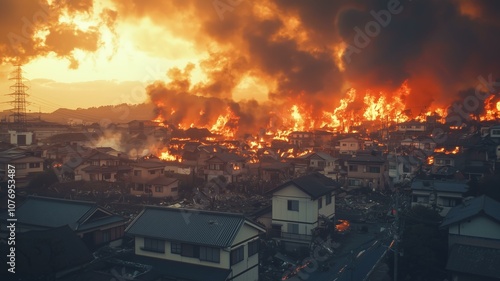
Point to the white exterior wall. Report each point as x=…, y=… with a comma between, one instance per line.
x=246, y=234
x=307, y=215
x=478, y=227
x=327, y=210
x=139, y=243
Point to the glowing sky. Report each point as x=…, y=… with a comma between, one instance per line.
x=99, y=52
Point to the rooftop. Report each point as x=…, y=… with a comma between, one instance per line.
x=471, y=208
x=51, y=212
x=198, y=227
x=315, y=185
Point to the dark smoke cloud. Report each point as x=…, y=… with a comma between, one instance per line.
x=439, y=47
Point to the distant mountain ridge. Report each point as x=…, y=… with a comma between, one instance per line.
x=121, y=113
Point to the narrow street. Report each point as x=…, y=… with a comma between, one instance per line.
x=357, y=257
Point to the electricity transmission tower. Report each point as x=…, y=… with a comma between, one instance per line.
x=19, y=95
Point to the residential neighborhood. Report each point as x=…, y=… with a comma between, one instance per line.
x=265, y=140
x=236, y=211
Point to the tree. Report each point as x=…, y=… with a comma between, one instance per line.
x=423, y=246
x=43, y=180
x=487, y=186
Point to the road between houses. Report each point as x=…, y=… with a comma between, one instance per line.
x=358, y=258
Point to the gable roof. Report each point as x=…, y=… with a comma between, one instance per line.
x=322, y=155
x=480, y=205
x=440, y=185
x=215, y=229
x=52, y=212
x=474, y=260
x=314, y=185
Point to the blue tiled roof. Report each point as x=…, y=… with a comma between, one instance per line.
x=482, y=204
x=52, y=212
x=197, y=227
x=439, y=185
x=477, y=261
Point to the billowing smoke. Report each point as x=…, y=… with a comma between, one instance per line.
x=439, y=47
x=305, y=52
x=32, y=29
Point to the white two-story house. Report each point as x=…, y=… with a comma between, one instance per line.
x=190, y=242
x=474, y=239
x=300, y=206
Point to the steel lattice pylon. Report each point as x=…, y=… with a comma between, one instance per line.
x=19, y=94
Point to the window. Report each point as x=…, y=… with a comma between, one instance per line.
x=374, y=170
x=210, y=254
x=253, y=247
x=106, y=176
x=353, y=168
x=159, y=189
x=154, y=245
x=450, y=202
x=237, y=255
x=293, y=205
x=293, y=228
x=188, y=250
x=139, y=187
x=344, y=144
x=175, y=248
x=21, y=166
x=354, y=182
x=152, y=172
x=320, y=202
x=328, y=199
x=137, y=173
x=215, y=167
x=34, y=165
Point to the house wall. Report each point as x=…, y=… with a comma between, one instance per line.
x=349, y=146
x=479, y=226
x=307, y=215
x=139, y=244
x=376, y=179
x=327, y=210
x=428, y=199
x=23, y=166
x=246, y=235
x=248, y=267
x=145, y=173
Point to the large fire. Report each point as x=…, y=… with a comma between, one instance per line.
x=372, y=109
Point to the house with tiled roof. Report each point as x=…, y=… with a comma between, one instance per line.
x=92, y=223
x=365, y=170
x=300, y=207
x=197, y=244
x=231, y=166
x=442, y=195
x=26, y=166
x=474, y=239
x=95, y=165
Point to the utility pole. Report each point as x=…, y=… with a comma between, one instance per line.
x=396, y=235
